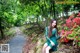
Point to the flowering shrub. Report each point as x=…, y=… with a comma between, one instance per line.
x=65, y=34
x=75, y=35
x=77, y=21
x=70, y=23
x=71, y=29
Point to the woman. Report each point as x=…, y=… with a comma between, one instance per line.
x=51, y=37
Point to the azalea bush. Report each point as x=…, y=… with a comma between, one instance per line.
x=77, y=20
x=71, y=30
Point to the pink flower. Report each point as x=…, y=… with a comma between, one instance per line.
x=64, y=25
x=68, y=32
x=69, y=23
x=71, y=17
x=78, y=14
x=77, y=21
x=63, y=32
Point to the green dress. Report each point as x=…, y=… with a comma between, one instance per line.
x=53, y=38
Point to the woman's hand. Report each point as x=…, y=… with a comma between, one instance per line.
x=61, y=35
x=52, y=43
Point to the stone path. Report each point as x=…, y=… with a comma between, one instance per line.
x=17, y=42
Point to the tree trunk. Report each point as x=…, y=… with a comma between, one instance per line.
x=54, y=9
x=66, y=14
x=2, y=34
x=1, y=29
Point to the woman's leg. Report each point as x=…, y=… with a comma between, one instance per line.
x=48, y=48
x=44, y=48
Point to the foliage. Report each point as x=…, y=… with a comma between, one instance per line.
x=19, y=12
x=71, y=29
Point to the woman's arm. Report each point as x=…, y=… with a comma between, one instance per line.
x=54, y=31
x=46, y=34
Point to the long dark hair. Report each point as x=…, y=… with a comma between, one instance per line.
x=50, y=28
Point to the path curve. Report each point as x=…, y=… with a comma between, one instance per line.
x=17, y=42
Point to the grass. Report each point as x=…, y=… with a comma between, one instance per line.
x=9, y=33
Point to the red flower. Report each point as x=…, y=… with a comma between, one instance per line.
x=64, y=25
x=77, y=21
x=63, y=32
x=69, y=23
x=71, y=17
x=66, y=40
x=68, y=32
x=78, y=14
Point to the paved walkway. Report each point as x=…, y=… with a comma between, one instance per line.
x=17, y=42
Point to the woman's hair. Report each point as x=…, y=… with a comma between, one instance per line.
x=50, y=28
